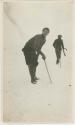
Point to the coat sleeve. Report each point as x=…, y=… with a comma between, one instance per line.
x=54, y=43
x=38, y=43
x=62, y=45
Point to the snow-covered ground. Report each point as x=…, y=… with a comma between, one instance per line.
x=42, y=102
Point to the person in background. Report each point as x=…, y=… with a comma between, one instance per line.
x=59, y=46
x=32, y=50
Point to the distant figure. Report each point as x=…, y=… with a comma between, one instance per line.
x=32, y=50
x=59, y=46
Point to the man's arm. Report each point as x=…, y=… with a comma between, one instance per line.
x=42, y=54
x=54, y=44
x=63, y=48
x=38, y=44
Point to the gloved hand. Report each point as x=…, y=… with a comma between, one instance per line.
x=64, y=53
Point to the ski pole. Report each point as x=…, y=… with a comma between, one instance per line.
x=48, y=72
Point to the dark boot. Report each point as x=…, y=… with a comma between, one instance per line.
x=36, y=78
x=57, y=62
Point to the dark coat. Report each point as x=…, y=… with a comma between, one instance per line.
x=58, y=44
x=32, y=48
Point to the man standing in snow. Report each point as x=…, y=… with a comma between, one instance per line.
x=59, y=46
x=32, y=50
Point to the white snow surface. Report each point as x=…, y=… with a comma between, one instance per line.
x=42, y=102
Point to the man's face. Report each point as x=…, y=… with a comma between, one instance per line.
x=45, y=32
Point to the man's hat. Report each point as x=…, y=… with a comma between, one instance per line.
x=59, y=35
x=46, y=28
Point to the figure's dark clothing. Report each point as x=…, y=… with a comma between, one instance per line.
x=31, y=52
x=58, y=53
x=58, y=45
x=32, y=48
x=30, y=56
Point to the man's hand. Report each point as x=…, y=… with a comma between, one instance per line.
x=64, y=53
x=42, y=54
x=43, y=57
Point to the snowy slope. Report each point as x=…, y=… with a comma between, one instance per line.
x=42, y=102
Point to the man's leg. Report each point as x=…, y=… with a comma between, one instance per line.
x=35, y=63
x=57, y=55
x=35, y=73
x=32, y=71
